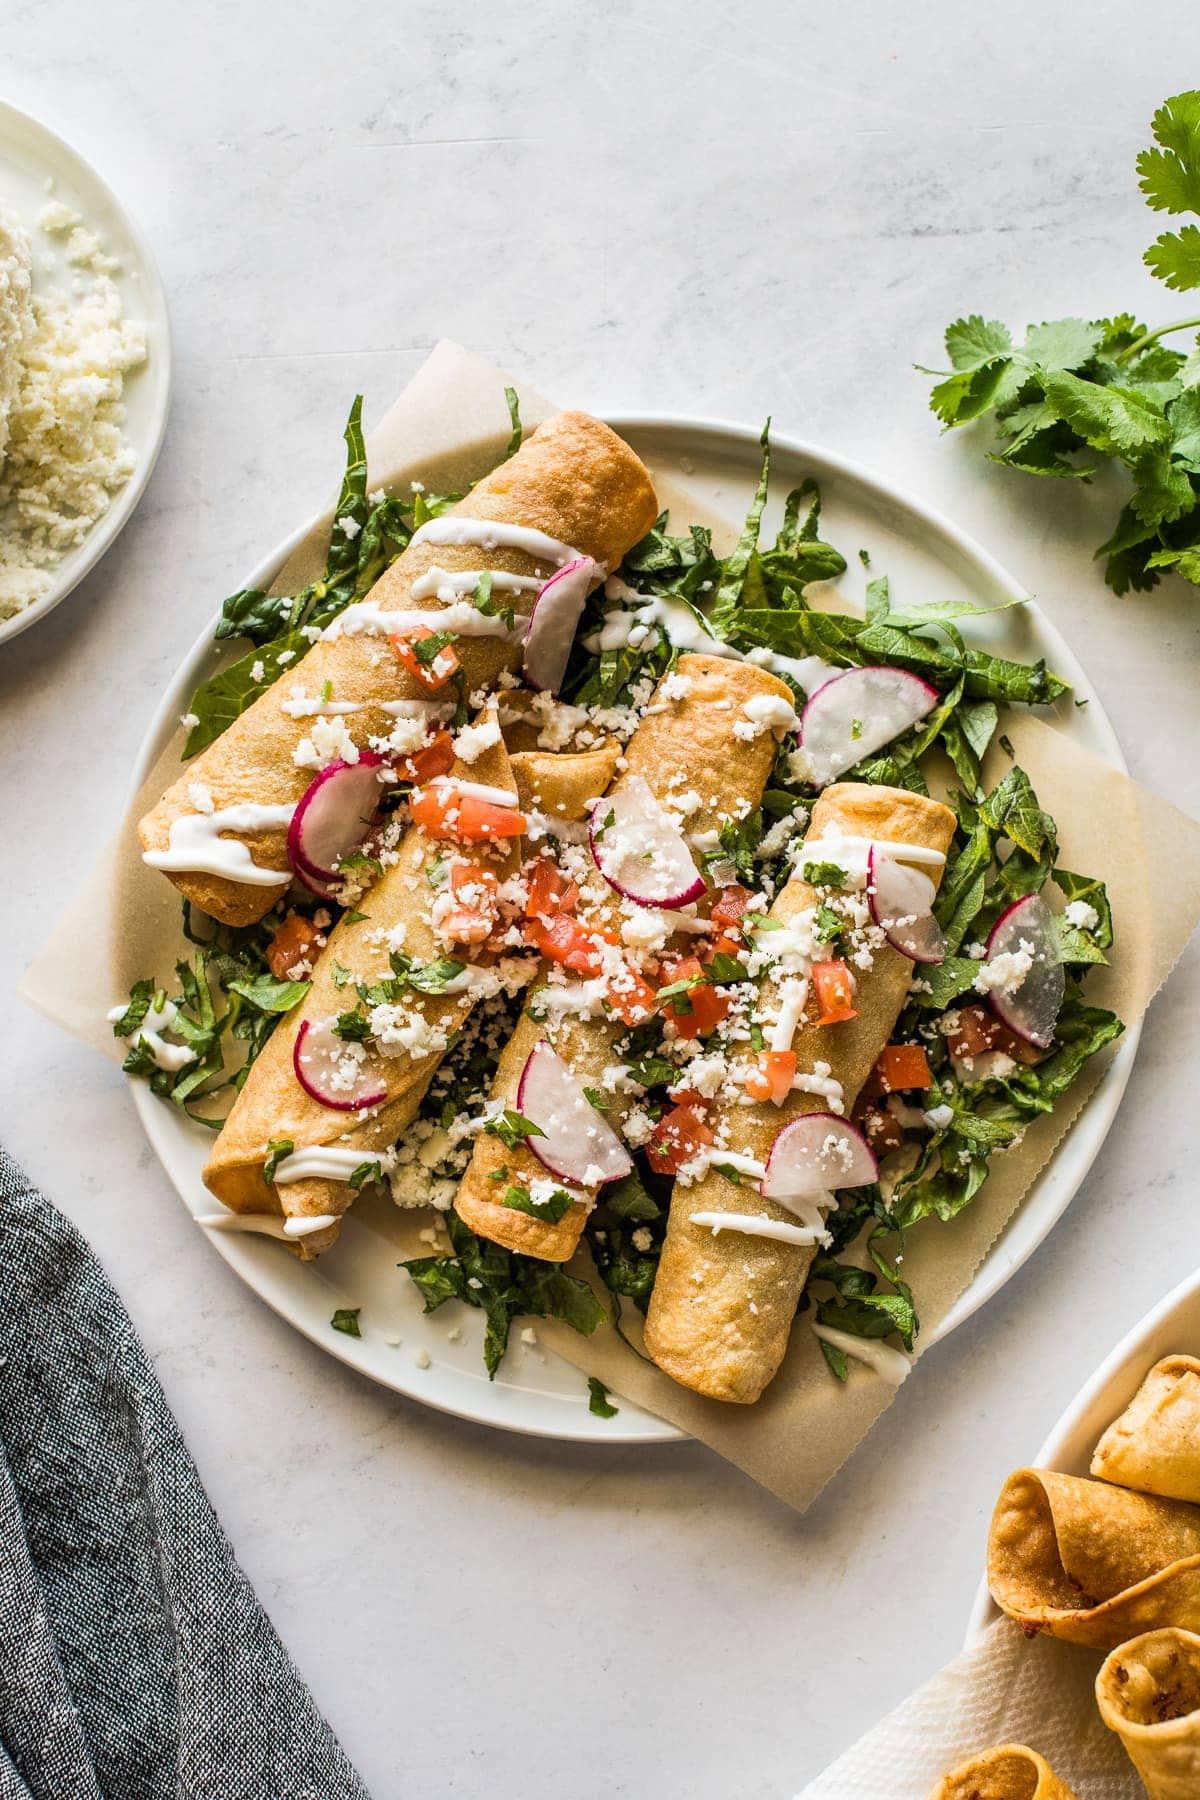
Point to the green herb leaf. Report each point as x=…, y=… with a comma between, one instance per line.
x=277, y=1149
x=598, y=1401
x=346, y=1319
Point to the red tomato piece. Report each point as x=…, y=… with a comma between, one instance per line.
x=550, y=891
x=834, y=987
x=730, y=905
x=900, y=1067
x=432, y=675
x=772, y=1079
x=294, y=948
x=443, y=811
x=434, y=758
x=677, y=1137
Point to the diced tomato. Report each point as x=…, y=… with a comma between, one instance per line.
x=882, y=1130
x=293, y=950
x=701, y=1009
x=431, y=675
x=564, y=940
x=434, y=758
x=899, y=1068
x=474, y=918
x=443, y=811
x=631, y=997
x=724, y=946
x=550, y=891
x=730, y=905
x=677, y=1137
x=772, y=1079
x=834, y=986
x=975, y=1031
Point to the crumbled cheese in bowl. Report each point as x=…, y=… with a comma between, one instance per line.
x=63, y=362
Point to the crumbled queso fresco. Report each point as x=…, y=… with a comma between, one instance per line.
x=63, y=362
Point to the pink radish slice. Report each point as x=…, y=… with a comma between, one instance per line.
x=324, y=890
x=1028, y=1004
x=816, y=1153
x=901, y=902
x=854, y=714
x=578, y=1144
x=640, y=850
x=338, y=1074
x=334, y=816
x=553, y=621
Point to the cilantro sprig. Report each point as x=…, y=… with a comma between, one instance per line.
x=1075, y=393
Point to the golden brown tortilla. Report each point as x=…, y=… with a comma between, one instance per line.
x=1092, y=1563
x=1148, y=1692
x=1009, y=1772
x=722, y=1307
x=572, y=478
x=1155, y=1444
x=694, y=734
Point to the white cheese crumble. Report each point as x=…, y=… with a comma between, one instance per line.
x=1006, y=972
x=1082, y=916
x=473, y=740
x=62, y=375
x=328, y=741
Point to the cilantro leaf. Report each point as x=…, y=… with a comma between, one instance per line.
x=346, y=1319
x=598, y=1401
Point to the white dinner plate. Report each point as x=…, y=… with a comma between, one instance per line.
x=30, y=157
x=1170, y=1328
x=927, y=559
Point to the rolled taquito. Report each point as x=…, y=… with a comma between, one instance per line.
x=723, y=1303
x=1092, y=1563
x=1148, y=1692
x=573, y=481
x=273, y=1107
x=1155, y=1444
x=1009, y=1772
x=687, y=740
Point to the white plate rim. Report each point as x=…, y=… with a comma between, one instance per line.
x=157, y=371
x=1061, y=1179
x=1133, y=1348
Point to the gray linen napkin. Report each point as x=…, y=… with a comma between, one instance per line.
x=135, y=1660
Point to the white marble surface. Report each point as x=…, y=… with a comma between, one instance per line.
x=699, y=207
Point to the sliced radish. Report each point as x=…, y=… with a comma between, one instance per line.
x=1028, y=992
x=901, y=902
x=817, y=1153
x=334, y=816
x=854, y=714
x=342, y=1076
x=553, y=621
x=640, y=850
x=577, y=1143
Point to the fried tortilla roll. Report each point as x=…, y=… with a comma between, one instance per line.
x=1009, y=1772
x=689, y=732
x=572, y=489
x=1092, y=1563
x=1148, y=1692
x=1155, y=1444
x=409, y=1037
x=723, y=1302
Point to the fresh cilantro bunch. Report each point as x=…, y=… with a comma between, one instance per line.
x=1075, y=391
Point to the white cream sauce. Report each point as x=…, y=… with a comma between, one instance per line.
x=760, y=1225
x=171, y=1057
x=328, y=1162
x=478, y=790
x=492, y=534
x=366, y=618
x=448, y=584
x=830, y=846
x=196, y=846
x=262, y=1224
x=885, y=1361
x=307, y=706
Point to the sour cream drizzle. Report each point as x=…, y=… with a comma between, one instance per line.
x=860, y=847
x=477, y=790
x=328, y=1162
x=366, y=618
x=885, y=1361
x=196, y=847
x=268, y=1224
x=171, y=1057
x=447, y=584
x=760, y=1225
x=493, y=534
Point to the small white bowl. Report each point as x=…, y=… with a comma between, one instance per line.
x=1172, y=1327
x=30, y=157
